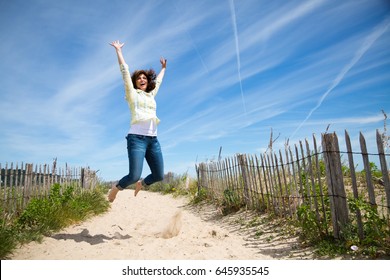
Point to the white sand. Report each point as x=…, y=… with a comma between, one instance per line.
x=153, y=226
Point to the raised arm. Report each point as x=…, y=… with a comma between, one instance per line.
x=129, y=87
x=163, y=62
x=118, y=48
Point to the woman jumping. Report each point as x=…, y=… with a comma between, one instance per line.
x=142, y=142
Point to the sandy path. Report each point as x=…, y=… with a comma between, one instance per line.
x=143, y=227
x=136, y=228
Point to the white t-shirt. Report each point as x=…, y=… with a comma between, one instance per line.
x=147, y=128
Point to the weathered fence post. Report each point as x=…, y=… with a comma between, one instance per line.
x=313, y=185
x=367, y=169
x=82, y=178
x=334, y=177
x=244, y=165
x=385, y=172
x=201, y=173
x=354, y=184
x=319, y=181
x=28, y=184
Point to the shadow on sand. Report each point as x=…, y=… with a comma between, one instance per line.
x=84, y=236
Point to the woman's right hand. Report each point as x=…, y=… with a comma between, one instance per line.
x=163, y=62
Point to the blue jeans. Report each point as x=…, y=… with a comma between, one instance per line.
x=138, y=148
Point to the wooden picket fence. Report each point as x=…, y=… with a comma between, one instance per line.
x=322, y=181
x=20, y=183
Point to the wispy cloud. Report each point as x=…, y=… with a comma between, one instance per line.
x=234, y=23
x=368, y=42
x=274, y=21
x=193, y=43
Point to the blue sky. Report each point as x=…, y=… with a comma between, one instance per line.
x=236, y=70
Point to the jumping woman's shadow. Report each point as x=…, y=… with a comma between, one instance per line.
x=84, y=236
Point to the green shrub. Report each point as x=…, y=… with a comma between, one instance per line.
x=42, y=216
x=308, y=222
x=199, y=196
x=8, y=241
x=376, y=233
x=231, y=201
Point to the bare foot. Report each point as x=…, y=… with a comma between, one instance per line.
x=112, y=194
x=138, y=187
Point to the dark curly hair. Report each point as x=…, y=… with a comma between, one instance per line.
x=150, y=75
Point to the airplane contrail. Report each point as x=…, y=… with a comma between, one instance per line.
x=233, y=13
x=194, y=45
x=368, y=42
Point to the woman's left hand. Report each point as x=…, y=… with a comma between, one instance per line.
x=163, y=62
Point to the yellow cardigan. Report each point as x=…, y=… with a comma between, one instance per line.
x=142, y=104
